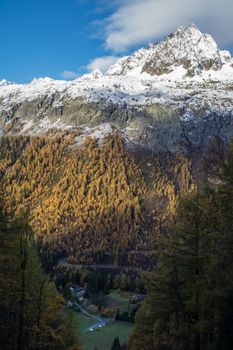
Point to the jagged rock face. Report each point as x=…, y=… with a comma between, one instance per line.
x=158, y=127
x=187, y=47
x=176, y=95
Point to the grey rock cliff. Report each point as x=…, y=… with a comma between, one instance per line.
x=176, y=95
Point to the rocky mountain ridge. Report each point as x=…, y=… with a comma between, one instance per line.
x=187, y=48
x=176, y=95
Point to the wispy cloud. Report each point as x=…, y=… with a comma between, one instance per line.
x=136, y=22
x=102, y=63
x=69, y=75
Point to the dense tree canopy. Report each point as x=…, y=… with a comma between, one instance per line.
x=32, y=314
x=93, y=202
x=190, y=303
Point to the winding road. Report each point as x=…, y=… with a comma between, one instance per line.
x=101, y=322
x=63, y=262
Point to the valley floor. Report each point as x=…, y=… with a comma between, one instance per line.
x=98, y=332
x=102, y=338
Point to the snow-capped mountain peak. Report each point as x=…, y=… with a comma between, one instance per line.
x=4, y=82
x=173, y=95
x=95, y=74
x=187, y=47
x=44, y=81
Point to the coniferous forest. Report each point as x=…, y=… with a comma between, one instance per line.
x=102, y=204
x=92, y=203
x=116, y=175
x=32, y=311
x=190, y=301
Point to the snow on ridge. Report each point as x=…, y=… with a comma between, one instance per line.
x=5, y=82
x=40, y=80
x=99, y=133
x=126, y=84
x=187, y=46
x=31, y=128
x=130, y=89
x=96, y=74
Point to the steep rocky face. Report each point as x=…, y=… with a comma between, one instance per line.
x=187, y=47
x=174, y=96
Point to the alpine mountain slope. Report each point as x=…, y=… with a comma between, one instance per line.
x=175, y=95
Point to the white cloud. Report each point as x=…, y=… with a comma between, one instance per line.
x=140, y=21
x=68, y=75
x=102, y=63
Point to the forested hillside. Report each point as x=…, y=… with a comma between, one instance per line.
x=32, y=313
x=97, y=201
x=190, y=302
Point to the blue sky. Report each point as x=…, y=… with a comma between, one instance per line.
x=45, y=38
x=65, y=38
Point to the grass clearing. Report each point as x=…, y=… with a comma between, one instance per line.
x=83, y=321
x=120, y=299
x=102, y=338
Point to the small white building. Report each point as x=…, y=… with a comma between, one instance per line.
x=78, y=291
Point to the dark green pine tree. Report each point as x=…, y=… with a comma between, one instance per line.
x=116, y=344
x=31, y=311
x=169, y=317
x=190, y=295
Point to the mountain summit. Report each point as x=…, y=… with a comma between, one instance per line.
x=187, y=47
x=176, y=95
